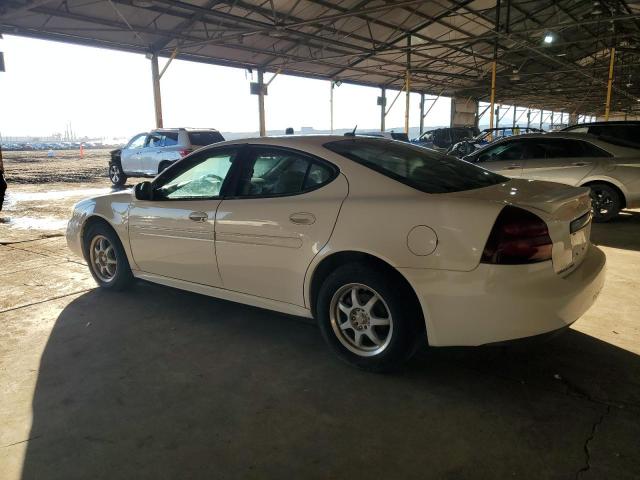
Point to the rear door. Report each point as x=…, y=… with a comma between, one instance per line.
x=504, y=158
x=560, y=160
x=283, y=212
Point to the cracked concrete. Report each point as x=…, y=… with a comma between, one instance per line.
x=158, y=383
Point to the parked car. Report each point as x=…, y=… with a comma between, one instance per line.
x=400, y=136
x=148, y=154
x=442, y=139
x=487, y=136
x=625, y=133
x=380, y=241
x=612, y=172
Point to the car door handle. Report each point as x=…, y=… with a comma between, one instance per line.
x=580, y=164
x=513, y=167
x=302, y=218
x=198, y=216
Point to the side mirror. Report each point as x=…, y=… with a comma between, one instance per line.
x=143, y=191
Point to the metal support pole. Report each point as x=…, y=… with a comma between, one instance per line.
x=609, y=85
x=263, y=128
x=408, y=85
x=331, y=104
x=515, y=109
x=494, y=65
x=383, y=106
x=528, y=119
x=421, y=113
x=157, y=98
x=552, y=115
x=541, y=114
x=498, y=116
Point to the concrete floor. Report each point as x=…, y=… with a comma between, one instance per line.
x=158, y=383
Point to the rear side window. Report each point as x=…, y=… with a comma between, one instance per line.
x=170, y=139
x=591, y=150
x=420, y=168
x=557, y=148
x=275, y=172
x=205, y=138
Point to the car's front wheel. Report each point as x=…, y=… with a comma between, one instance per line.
x=106, y=257
x=116, y=175
x=367, y=318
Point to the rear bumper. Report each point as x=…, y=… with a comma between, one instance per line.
x=497, y=303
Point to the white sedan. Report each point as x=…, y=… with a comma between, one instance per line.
x=384, y=243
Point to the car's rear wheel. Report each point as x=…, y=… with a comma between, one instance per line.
x=606, y=202
x=367, y=319
x=163, y=166
x=106, y=258
x=116, y=175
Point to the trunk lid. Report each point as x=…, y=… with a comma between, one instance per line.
x=565, y=209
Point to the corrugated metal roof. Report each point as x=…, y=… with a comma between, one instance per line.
x=366, y=41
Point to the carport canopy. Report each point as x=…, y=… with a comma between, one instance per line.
x=555, y=55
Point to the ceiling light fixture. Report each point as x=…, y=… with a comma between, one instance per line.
x=548, y=38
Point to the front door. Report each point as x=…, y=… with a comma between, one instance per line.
x=504, y=158
x=173, y=234
x=283, y=212
x=130, y=158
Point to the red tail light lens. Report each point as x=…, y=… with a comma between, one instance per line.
x=184, y=153
x=517, y=237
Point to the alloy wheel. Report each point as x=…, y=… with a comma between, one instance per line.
x=601, y=201
x=114, y=173
x=103, y=258
x=361, y=319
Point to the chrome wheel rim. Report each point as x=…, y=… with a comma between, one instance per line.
x=114, y=173
x=361, y=319
x=601, y=201
x=103, y=258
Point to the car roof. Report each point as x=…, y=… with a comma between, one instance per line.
x=615, y=149
x=187, y=129
x=600, y=124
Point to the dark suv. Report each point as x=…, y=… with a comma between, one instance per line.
x=624, y=133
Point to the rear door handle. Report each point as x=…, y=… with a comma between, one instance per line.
x=198, y=216
x=580, y=164
x=302, y=218
x=513, y=167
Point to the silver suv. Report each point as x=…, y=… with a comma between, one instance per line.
x=148, y=154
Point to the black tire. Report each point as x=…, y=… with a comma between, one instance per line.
x=606, y=202
x=116, y=175
x=398, y=341
x=122, y=276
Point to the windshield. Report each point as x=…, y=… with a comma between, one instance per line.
x=420, y=168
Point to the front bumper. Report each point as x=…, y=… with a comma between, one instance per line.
x=497, y=303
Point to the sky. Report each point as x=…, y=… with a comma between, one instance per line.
x=106, y=93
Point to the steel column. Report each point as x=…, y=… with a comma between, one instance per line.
x=157, y=97
x=383, y=106
x=421, y=113
x=607, y=106
x=408, y=85
x=331, y=104
x=263, y=128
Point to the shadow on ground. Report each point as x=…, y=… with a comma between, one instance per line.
x=162, y=384
x=621, y=232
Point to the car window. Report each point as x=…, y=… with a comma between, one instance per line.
x=197, y=177
x=169, y=139
x=423, y=169
x=506, y=151
x=275, y=172
x=137, y=141
x=154, y=140
x=561, y=148
x=205, y=138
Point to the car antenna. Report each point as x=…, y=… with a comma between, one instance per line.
x=352, y=133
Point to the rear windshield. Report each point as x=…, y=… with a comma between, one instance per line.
x=205, y=138
x=420, y=168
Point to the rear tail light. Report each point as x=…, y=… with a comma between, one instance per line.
x=517, y=237
x=184, y=153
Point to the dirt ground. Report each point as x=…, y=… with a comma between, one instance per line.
x=161, y=384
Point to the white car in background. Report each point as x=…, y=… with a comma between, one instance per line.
x=612, y=172
x=148, y=154
x=380, y=241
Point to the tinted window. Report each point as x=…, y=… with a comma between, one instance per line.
x=506, y=151
x=169, y=139
x=205, y=138
x=417, y=167
x=274, y=172
x=558, y=148
x=198, y=177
